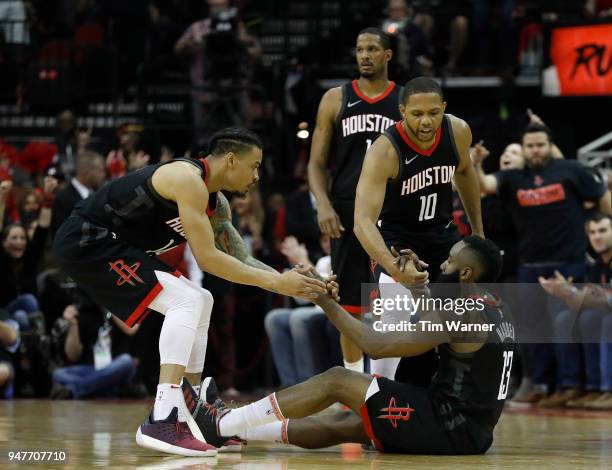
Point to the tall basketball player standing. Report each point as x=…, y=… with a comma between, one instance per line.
x=349, y=119
x=108, y=246
x=404, y=195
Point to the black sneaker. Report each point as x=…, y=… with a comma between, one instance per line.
x=210, y=394
x=205, y=414
x=208, y=390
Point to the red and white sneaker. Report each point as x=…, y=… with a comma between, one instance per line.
x=172, y=436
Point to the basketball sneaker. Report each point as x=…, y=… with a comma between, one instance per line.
x=172, y=436
x=206, y=406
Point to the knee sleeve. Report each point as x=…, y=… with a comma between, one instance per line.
x=182, y=306
x=197, y=357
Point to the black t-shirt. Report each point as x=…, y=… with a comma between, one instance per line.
x=599, y=272
x=19, y=276
x=546, y=205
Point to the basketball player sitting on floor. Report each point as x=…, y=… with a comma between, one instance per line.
x=456, y=414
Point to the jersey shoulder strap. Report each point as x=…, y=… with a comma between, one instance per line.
x=448, y=129
x=345, y=97
x=202, y=164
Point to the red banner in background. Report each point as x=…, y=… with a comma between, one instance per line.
x=582, y=58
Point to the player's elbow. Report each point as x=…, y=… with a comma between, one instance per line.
x=208, y=260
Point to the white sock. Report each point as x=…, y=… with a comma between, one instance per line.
x=238, y=420
x=271, y=432
x=168, y=396
x=385, y=367
x=356, y=366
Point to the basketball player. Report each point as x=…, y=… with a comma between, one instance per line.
x=349, y=119
x=455, y=415
x=108, y=246
x=404, y=196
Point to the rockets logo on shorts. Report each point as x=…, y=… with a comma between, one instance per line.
x=126, y=273
x=403, y=413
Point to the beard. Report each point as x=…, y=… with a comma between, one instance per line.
x=415, y=133
x=452, y=278
x=447, y=286
x=540, y=163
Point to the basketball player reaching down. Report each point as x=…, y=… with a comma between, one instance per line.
x=349, y=119
x=456, y=414
x=108, y=246
x=404, y=197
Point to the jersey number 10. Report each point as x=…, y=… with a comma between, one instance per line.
x=428, y=207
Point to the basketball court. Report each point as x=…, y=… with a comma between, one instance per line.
x=101, y=434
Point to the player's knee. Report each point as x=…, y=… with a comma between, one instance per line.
x=207, y=298
x=335, y=376
x=188, y=309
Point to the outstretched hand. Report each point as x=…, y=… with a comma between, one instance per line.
x=405, y=256
x=410, y=270
x=295, y=283
x=332, y=287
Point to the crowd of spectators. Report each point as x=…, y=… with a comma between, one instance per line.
x=56, y=342
x=100, y=48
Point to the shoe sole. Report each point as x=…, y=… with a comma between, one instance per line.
x=149, y=442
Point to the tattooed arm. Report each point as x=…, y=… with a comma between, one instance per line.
x=227, y=238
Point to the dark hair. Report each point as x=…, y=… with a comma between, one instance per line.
x=421, y=85
x=233, y=139
x=598, y=217
x=535, y=127
x=9, y=227
x=488, y=255
x=384, y=37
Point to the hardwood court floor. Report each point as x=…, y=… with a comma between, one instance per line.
x=100, y=434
